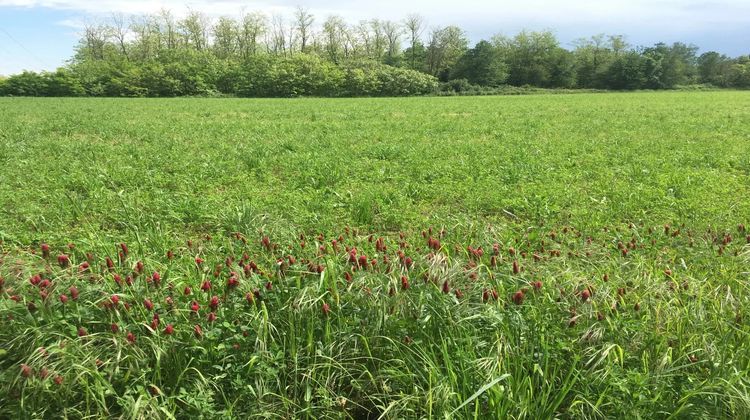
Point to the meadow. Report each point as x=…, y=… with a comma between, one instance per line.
x=571, y=256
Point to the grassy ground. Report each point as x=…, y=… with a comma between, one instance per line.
x=612, y=279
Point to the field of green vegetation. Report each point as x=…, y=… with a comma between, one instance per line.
x=573, y=256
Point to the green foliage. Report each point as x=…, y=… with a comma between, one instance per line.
x=572, y=187
x=481, y=65
x=536, y=59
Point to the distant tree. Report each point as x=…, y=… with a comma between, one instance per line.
x=670, y=66
x=444, y=49
x=481, y=65
x=739, y=73
x=714, y=68
x=335, y=38
x=195, y=28
x=303, y=25
x=626, y=71
x=414, y=25
x=254, y=27
x=392, y=32
x=536, y=59
x=226, y=36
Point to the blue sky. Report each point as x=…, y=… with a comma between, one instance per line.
x=41, y=34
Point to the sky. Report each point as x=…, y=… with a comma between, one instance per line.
x=41, y=34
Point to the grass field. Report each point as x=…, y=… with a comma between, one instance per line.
x=578, y=256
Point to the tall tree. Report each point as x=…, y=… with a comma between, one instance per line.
x=481, y=65
x=254, y=27
x=445, y=47
x=303, y=25
x=414, y=25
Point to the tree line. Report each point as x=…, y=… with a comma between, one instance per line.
x=259, y=56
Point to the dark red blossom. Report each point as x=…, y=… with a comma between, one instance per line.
x=214, y=302
x=518, y=297
x=211, y=317
x=82, y=332
x=26, y=371
x=194, y=306
x=130, y=337
x=63, y=260
x=198, y=331
x=585, y=295
x=148, y=304
x=45, y=251
x=169, y=329
x=326, y=309
x=73, y=292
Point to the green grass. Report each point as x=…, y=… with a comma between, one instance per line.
x=564, y=180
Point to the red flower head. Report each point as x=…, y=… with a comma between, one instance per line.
x=124, y=248
x=82, y=332
x=156, y=277
x=446, y=287
x=206, y=286
x=404, y=283
x=131, y=337
x=148, y=304
x=45, y=251
x=518, y=297
x=537, y=285
x=169, y=301
x=211, y=317
x=362, y=261
x=73, y=292
x=26, y=371
x=326, y=309
x=214, y=302
x=35, y=279
x=63, y=260
x=198, y=331
x=408, y=262
x=139, y=267
x=115, y=328
x=459, y=294
x=169, y=329
x=64, y=299
x=110, y=263
x=516, y=267
x=199, y=260
x=194, y=306
x=58, y=380
x=115, y=300
x=269, y=286
x=585, y=295
x=249, y=298
x=233, y=281
x=84, y=266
